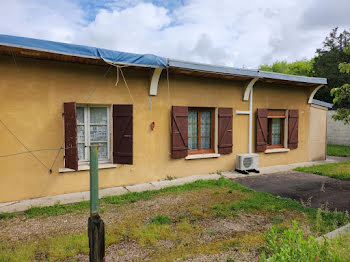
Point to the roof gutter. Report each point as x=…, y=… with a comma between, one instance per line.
x=244, y=72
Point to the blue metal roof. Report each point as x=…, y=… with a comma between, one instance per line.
x=147, y=60
x=83, y=51
x=322, y=103
x=245, y=72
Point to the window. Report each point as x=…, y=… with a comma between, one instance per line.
x=275, y=128
x=93, y=128
x=200, y=130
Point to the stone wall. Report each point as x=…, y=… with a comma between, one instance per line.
x=337, y=132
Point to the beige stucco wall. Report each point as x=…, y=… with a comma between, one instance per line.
x=318, y=133
x=32, y=97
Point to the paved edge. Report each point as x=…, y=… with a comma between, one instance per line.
x=334, y=234
x=22, y=205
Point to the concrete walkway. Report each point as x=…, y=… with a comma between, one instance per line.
x=18, y=206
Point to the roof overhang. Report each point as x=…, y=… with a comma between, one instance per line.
x=242, y=74
x=321, y=103
x=42, y=49
x=44, y=55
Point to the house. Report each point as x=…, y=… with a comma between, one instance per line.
x=152, y=117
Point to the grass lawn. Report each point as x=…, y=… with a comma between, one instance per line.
x=342, y=245
x=213, y=220
x=340, y=170
x=337, y=150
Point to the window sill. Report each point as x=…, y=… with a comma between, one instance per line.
x=276, y=150
x=202, y=156
x=87, y=167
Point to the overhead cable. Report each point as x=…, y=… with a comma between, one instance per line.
x=19, y=141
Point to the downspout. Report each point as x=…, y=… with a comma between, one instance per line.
x=248, y=94
x=250, y=121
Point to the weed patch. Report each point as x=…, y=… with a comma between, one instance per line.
x=342, y=244
x=160, y=220
x=151, y=233
x=130, y=197
x=181, y=216
x=56, y=209
x=291, y=245
x=229, y=244
x=6, y=215
x=176, y=222
x=277, y=220
x=48, y=249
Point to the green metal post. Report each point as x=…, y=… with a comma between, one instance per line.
x=93, y=179
x=96, y=226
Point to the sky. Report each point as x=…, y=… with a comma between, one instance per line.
x=238, y=33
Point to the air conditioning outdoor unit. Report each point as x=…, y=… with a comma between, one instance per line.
x=247, y=163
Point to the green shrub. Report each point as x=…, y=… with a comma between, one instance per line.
x=291, y=246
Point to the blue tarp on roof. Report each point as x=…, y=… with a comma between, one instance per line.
x=83, y=51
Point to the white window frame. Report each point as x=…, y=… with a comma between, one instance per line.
x=87, y=133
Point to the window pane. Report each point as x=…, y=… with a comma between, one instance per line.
x=102, y=150
x=80, y=115
x=98, y=115
x=276, y=131
x=81, y=151
x=98, y=133
x=192, y=129
x=81, y=134
x=205, y=129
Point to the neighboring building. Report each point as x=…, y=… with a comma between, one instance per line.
x=337, y=132
x=153, y=118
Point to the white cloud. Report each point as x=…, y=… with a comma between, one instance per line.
x=52, y=20
x=227, y=32
x=132, y=29
x=324, y=13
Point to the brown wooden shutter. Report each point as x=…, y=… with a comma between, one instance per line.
x=293, y=119
x=179, y=133
x=123, y=134
x=225, y=130
x=70, y=135
x=261, y=129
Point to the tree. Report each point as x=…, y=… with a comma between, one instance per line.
x=327, y=61
x=330, y=62
x=342, y=93
x=301, y=67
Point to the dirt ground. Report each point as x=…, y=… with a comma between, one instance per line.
x=319, y=191
x=200, y=235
